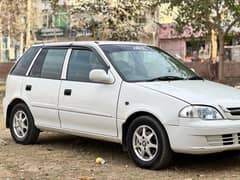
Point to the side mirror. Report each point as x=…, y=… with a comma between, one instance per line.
x=100, y=76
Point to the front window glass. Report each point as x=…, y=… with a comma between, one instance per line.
x=145, y=63
x=81, y=62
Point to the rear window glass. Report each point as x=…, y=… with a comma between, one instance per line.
x=49, y=64
x=25, y=61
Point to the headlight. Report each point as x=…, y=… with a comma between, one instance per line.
x=202, y=112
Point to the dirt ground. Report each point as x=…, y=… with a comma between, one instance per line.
x=59, y=156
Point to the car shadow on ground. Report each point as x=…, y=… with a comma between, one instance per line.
x=218, y=161
x=198, y=163
x=70, y=141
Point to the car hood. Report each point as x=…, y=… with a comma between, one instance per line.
x=197, y=92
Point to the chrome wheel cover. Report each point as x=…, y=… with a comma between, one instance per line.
x=20, y=124
x=145, y=143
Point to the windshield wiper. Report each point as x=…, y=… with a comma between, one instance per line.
x=165, y=78
x=195, y=78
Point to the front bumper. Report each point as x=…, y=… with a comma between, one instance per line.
x=204, y=137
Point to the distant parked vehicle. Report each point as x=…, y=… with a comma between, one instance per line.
x=128, y=93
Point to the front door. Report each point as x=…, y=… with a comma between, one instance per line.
x=85, y=106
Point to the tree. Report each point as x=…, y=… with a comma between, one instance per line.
x=123, y=21
x=17, y=19
x=12, y=15
x=207, y=15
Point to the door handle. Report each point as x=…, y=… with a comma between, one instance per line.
x=28, y=87
x=67, y=92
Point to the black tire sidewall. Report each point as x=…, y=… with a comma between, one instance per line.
x=162, y=141
x=31, y=126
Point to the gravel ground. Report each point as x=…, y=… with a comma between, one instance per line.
x=59, y=156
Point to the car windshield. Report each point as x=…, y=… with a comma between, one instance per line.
x=146, y=63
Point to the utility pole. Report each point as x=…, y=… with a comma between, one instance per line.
x=214, y=46
x=28, y=24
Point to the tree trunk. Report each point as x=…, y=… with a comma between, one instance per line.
x=21, y=43
x=1, y=44
x=28, y=25
x=8, y=46
x=221, y=59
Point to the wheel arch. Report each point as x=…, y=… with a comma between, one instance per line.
x=10, y=107
x=130, y=119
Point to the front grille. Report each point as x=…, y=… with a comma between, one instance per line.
x=223, y=140
x=227, y=139
x=238, y=138
x=234, y=111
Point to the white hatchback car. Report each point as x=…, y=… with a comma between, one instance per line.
x=128, y=93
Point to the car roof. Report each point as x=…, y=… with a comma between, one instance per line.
x=87, y=43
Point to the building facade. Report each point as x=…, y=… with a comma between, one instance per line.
x=187, y=45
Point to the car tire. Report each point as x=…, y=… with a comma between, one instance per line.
x=22, y=127
x=147, y=143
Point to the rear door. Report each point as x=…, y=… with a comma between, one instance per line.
x=85, y=106
x=41, y=87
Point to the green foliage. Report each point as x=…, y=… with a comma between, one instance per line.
x=120, y=22
x=54, y=4
x=207, y=15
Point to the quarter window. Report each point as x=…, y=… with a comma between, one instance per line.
x=49, y=64
x=81, y=63
x=25, y=61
